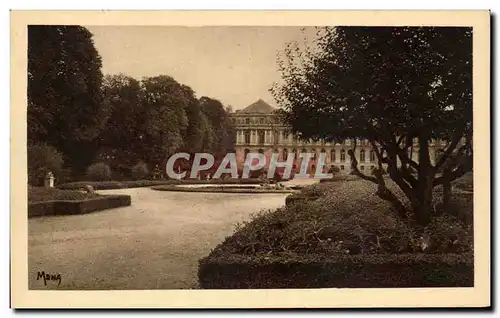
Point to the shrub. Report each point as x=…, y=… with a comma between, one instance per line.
x=229, y=271
x=334, y=170
x=140, y=171
x=315, y=190
x=339, y=218
x=99, y=172
x=221, y=189
x=105, y=185
x=43, y=158
x=70, y=207
x=37, y=194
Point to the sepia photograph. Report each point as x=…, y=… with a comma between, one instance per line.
x=221, y=156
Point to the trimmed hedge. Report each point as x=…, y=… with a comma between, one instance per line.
x=42, y=194
x=297, y=197
x=108, y=185
x=67, y=207
x=343, y=271
x=221, y=189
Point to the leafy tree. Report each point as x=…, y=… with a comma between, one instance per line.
x=99, y=172
x=166, y=122
x=140, y=171
x=121, y=140
x=397, y=87
x=42, y=159
x=224, y=133
x=64, y=91
x=197, y=124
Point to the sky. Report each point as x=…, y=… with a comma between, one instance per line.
x=236, y=65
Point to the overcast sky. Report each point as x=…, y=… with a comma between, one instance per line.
x=236, y=65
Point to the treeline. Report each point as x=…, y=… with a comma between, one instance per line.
x=81, y=122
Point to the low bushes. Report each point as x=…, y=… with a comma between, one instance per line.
x=344, y=271
x=71, y=207
x=37, y=194
x=106, y=185
x=99, y=172
x=43, y=158
x=222, y=189
x=340, y=234
x=140, y=171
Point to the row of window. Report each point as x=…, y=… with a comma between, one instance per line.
x=284, y=136
x=253, y=120
x=333, y=154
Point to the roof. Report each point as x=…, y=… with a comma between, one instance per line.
x=259, y=106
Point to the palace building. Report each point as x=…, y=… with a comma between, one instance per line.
x=259, y=130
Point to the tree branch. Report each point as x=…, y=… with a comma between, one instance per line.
x=446, y=154
x=382, y=191
x=456, y=173
x=355, y=171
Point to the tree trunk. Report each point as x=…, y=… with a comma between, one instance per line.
x=446, y=189
x=423, y=207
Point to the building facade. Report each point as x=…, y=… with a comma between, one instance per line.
x=259, y=130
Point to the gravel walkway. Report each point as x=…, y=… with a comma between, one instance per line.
x=154, y=244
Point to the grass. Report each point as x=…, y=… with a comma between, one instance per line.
x=348, y=218
x=41, y=194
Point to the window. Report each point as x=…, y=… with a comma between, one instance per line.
x=372, y=167
x=333, y=155
x=247, y=121
x=276, y=136
x=323, y=151
x=314, y=152
x=262, y=120
x=372, y=155
x=342, y=155
x=247, y=136
x=362, y=168
x=262, y=136
x=341, y=167
x=285, y=154
x=362, y=156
